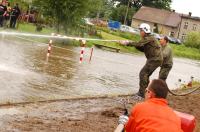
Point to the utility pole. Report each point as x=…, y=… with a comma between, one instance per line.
x=127, y=12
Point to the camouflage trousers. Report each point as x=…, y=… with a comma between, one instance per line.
x=164, y=72
x=146, y=72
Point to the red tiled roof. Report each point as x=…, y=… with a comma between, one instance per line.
x=159, y=16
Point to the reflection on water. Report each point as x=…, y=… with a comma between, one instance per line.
x=27, y=76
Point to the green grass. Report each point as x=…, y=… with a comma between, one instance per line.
x=186, y=52
x=30, y=28
x=111, y=37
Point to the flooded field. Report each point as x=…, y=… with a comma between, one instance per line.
x=26, y=75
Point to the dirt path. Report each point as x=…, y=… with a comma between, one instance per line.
x=89, y=115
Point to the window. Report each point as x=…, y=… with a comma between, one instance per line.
x=186, y=25
x=171, y=34
x=183, y=36
x=155, y=28
x=194, y=27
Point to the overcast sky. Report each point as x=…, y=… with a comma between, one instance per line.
x=186, y=6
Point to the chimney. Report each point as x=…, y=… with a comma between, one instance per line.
x=190, y=13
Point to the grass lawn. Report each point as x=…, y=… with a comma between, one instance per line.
x=30, y=28
x=186, y=52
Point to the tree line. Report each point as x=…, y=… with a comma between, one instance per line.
x=67, y=14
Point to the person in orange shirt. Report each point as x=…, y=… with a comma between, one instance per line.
x=153, y=115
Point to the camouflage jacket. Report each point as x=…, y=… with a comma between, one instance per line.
x=150, y=46
x=167, y=56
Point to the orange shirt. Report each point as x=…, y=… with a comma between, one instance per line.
x=153, y=115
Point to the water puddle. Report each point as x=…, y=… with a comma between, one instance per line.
x=27, y=76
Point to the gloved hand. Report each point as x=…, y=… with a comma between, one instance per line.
x=123, y=119
x=124, y=42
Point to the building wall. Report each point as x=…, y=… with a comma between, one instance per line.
x=167, y=30
x=188, y=25
x=136, y=23
x=162, y=29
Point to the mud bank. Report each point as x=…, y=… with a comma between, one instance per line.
x=87, y=115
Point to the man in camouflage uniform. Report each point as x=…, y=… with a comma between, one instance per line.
x=167, y=59
x=152, y=50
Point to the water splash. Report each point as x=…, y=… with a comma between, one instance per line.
x=13, y=69
x=54, y=36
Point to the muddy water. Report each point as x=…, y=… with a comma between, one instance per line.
x=26, y=75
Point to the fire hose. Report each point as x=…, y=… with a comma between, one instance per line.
x=183, y=94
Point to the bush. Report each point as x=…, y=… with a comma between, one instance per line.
x=193, y=40
x=39, y=27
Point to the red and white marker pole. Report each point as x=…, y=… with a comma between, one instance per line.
x=49, y=48
x=50, y=45
x=83, y=42
x=91, y=53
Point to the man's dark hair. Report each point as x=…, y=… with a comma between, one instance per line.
x=159, y=87
x=166, y=39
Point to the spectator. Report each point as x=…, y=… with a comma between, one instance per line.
x=3, y=10
x=7, y=16
x=153, y=115
x=14, y=15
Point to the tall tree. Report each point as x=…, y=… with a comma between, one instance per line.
x=161, y=4
x=65, y=13
x=101, y=9
x=123, y=2
x=118, y=14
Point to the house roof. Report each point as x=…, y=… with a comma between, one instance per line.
x=159, y=16
x=190, y=17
